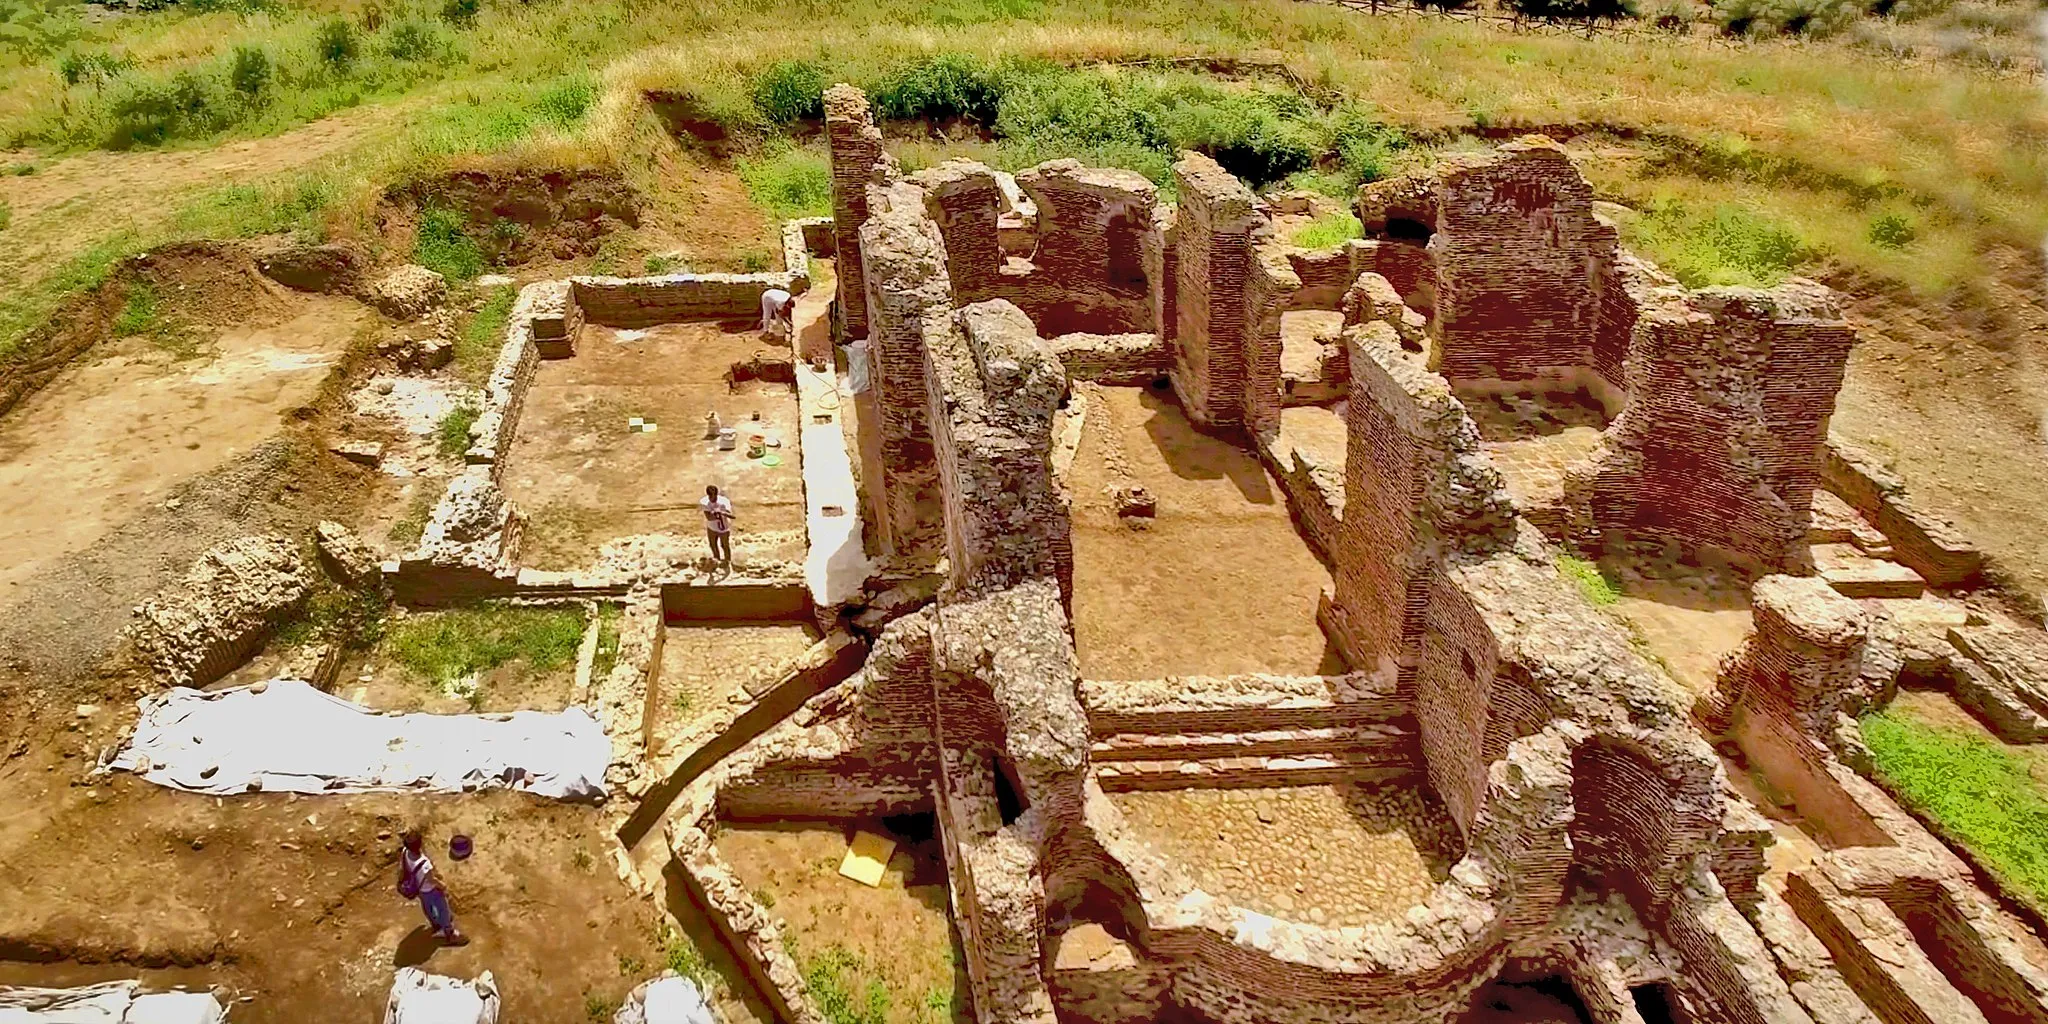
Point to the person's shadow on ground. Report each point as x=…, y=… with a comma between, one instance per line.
x=416, y=947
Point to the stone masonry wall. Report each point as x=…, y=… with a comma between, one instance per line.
x=1089, y=269
x=854, y=145
x=1270, y=288
x=908, y=296
x=1215, y=221
x=965, y=199
x=993, y=386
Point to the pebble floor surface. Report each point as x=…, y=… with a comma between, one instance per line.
x=1335, y=855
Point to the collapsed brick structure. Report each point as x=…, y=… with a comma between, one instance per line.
x=1599, y=838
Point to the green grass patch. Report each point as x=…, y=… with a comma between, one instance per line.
x=1722, y=245
x=841, y=990
x=450, y=645
x=1981, y=794
x=680, y=954
x=482, y=336
x=789, y=182
x=139, y=312
x=406, y=529
x=336, y=615
x=1328, y=230
x=1593, y=583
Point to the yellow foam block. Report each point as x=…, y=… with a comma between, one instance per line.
x=867, y=858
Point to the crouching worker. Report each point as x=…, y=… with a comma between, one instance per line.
x=778, y=313
x=417, y=879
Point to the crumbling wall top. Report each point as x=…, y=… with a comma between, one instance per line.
x=1809, y=610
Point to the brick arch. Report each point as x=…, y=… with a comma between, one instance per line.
x=1626, y=825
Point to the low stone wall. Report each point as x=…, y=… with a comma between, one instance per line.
x=1223, y=704
x=748, y=930
x=547, y=306
x=647, y=301
x=1314, y=489
x=222, y=610
x=1921, y=540
x=468, y=550
x=1124, y=360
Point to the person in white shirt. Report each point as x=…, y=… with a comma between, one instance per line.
x=418, y=879
x=778, y=312
x=717, y=524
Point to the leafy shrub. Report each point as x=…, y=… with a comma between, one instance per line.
x=790, y=90
x=1893, y=231
x=461, y=13
x=6, y=214
x=789, y=182
x=150, y=113
x=414, y=40
x=564, y=103
x=1442, y=5
x=1574, y=10
x=1364, y=147
x=1787, y=17
x=443, y=245
x=37, y=28
x=336, y=44
x=940, y=86
x=96, y=69
x=250, y=72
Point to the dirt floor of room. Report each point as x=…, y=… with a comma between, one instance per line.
x=898, y=935
x=704, y=665
x=1685, y=617
x=1218, y=583
x=1533, y=438
x=1345, y=855
x=586, y=476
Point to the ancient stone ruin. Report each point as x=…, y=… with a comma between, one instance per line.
x=1430, y=420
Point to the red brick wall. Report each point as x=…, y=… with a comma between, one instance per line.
x=1215, y=221
x=1516, y=246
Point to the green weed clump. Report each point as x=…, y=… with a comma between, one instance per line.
x=791, y=90
x=1892, y=231
x=446, y=646
x=1980, y=793
x=941, y=86
x=442, y=244
x=1785, y=17
x=139, y=313
x=607, y=655
x=1598, y=588
x=841, y=991
x=453, y=431
x=789, y=182
x=1328, y=230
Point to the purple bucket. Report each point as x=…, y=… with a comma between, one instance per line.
x=460, y=847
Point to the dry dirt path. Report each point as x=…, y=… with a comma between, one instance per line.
x=76, y=201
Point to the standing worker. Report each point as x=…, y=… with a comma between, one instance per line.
x=717, y=525
x=418, y=879
x=778, y=313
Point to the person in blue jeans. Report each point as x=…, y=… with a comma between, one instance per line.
x=416, y=876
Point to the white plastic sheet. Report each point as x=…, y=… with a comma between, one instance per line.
x=290, y=737
x=669, y=999
x=112, y=1002
x=421, y=998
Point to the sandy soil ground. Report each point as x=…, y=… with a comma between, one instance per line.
x=586, y=477
x=899, y=932
x=119, y=431
x=1219, y=583
x=291, y=902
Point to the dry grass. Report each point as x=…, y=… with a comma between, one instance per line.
x=1821, y=136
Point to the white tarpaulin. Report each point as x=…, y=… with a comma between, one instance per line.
x=421, y=998
x=669, y=999
x=286, y=736
x=113, y=1002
